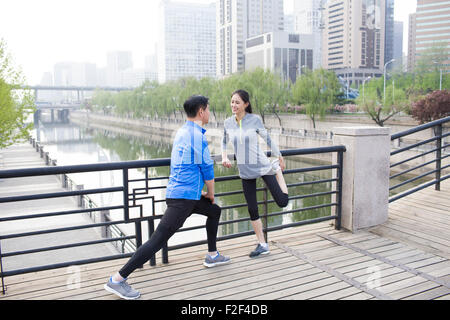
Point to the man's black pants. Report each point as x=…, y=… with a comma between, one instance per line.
x=178, y=210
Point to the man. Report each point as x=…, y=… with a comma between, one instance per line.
x=191, y=167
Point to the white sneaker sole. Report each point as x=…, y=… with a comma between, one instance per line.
x=211, y=265
x=261, y=254
x=118, y=294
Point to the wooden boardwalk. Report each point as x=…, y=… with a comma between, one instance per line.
x=408, y=257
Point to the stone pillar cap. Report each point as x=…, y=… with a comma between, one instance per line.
x=361, y=131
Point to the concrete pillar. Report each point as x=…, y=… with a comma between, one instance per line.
x=365, y=186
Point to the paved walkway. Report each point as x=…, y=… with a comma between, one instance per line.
x=25, y=156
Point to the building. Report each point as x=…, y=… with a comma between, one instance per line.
x=238, y=20
x=186, y=45
x=281, y=52
x=73, y=74
x=389, y=32
x=307, y=20
x=353, y=42
x=398, y=44
x=307, y=16
x=116, y=63
x=411, y=42
x=433, y=29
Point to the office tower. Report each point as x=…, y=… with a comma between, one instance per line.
x=289, y=25
x=411, y=42
x=398, y=44
x=116, y=63
x=74, y=74
x=283, y=53
x=238, y=20
x=307, y=20
x=307, y=16
x=433, y=29
x=186, y=46
x=389, y=32
x=354, y=39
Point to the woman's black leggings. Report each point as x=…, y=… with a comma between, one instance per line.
x=178, y=210
x=249, y=186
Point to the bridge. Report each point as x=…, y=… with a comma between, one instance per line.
x=75, y=88
x=370, y=246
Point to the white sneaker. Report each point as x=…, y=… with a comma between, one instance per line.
x=275, y=166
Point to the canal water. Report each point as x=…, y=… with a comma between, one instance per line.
x=71, y=144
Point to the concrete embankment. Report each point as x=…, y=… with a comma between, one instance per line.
x=295, y=132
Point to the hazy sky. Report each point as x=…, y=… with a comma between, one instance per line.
x=40, y=33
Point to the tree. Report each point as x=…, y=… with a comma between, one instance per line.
x=380, y=108
x=15, y=105
x=317, y=90
x=434, y=106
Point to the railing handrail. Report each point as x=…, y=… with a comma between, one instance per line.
x=134, y=164
x=420, y=128
x=438, y=149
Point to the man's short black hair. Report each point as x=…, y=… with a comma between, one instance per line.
x=193, y=104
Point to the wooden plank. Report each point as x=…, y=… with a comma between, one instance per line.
x=393, y=232
x=310, y=294
x=340, y=294
x=331, y=271
x=386, y=260
x=430, y=294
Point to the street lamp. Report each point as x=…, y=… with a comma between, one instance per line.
x=364, y=82
x=440, y=76
x=384, y=71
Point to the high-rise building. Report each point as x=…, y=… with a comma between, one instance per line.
x=398, y=44
x=411, y=42
x=389, y=31
x=307, y=20
x=433, y=29
x=353, y=41
x=73, y=74
x=116, y=63
x=284, y=53
x=307, y=16
x=238, y=20
x=186, y=46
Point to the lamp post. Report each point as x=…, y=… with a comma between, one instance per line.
x=364, y=82
x=440, y=75
x=384, y=71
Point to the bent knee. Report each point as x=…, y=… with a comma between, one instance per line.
x=284, y=201
x=216, y=211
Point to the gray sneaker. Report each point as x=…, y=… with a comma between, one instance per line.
x=218, y=260
x=260, y=250
x=122, y=289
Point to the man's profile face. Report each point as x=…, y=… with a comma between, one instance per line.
x=204, y=113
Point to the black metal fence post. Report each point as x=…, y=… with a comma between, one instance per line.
x=339, y=195
x=151, y=229
x=138, y=233
x=438, y=134
x=1, y=270
x=126, y=213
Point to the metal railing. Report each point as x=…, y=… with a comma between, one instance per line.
x=437, y=149
x=131, y=197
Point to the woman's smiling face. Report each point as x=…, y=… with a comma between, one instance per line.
x=237, y=104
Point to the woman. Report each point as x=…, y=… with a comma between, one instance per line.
x=242, y=130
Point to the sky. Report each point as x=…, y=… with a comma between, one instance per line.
x=41, y=33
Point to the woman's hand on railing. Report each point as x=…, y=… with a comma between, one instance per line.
x=282, y=163
x=226, y=162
